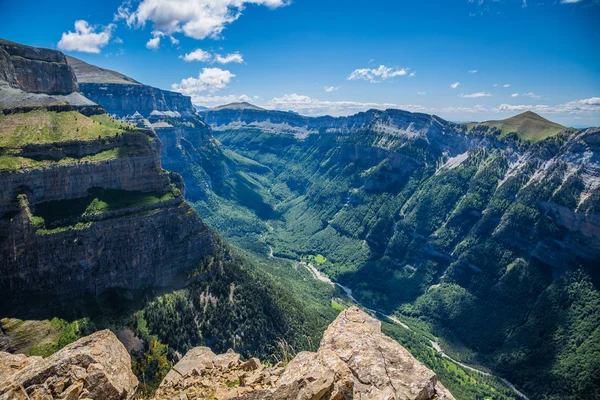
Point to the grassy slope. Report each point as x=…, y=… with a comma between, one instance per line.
x=528, y=125
x=43, y=127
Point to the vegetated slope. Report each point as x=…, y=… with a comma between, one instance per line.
x=94, y=233
x=491, y=240
x=529, y=126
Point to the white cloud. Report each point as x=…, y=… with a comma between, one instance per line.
x=85, y=38
x=514, y=95
x=154, y=43
x=197, y=55
x=229, y=58
x=197, y=19
x=506, y=85
x=118, y=40
x=204, y=56
x=455, y=85
x=213, y=101
x=591, y=105
x=473, y=71
x=375, y=75
x=413, y=74
x=331, y=88
x=570, y=1
x=532, y=95
x=474, y=95
x=452, y=110
x=308, y=106
x=209, y=80
x=421, y=93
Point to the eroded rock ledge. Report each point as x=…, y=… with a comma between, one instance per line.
x=355, y=361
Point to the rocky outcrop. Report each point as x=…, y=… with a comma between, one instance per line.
x=94, y=367
x=123, y=96
x=355, y=361
x=142, y=235
x=36, y=70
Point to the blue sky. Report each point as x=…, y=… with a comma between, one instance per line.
x=340, y=56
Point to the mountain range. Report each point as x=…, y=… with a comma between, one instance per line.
x=478, y=244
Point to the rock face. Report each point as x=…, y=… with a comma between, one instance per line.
x=36, y=70
x=146, y=235
x=355, y=361
x=123, y=96
x=94, y=367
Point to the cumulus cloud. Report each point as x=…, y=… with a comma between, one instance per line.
x=474, y=95
x=213, y=101
x=330, y=89
x=154, y=43
x=506, y=85
x=85, y=38
x=229, y=58
x=197, y=55
x=532, y=95
x=209, y=80
x=197, y=19
x=455, y=85
x=375, y=75
x=454, y=110
x=204, y=56
x=591, y=105
x=473, y=71
x=421, y=93
x=309, y=106
x=514, y=95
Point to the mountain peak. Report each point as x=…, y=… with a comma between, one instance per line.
x=239, y=106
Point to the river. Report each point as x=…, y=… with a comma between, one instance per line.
x=320, y=276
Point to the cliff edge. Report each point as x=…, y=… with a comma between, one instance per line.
x=355, y=361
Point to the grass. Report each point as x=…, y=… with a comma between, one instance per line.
x=49, y=217
x=15, y=163
x=44, y=127
x=528, y=126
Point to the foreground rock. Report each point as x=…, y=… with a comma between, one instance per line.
x=94, y=367
x=355, y=361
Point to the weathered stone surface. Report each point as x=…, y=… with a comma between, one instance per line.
x=355, y=361
x=37, y=70
x=96, y=367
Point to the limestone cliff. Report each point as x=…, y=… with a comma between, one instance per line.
x=355, y=361
x=32, y=77
x=123, y=96
x=85, y=204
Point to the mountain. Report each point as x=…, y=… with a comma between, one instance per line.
x=127, y=96
x=238, y=106
x=478, y=246
x=95, y=234
x=490, y=240
x=528, y=126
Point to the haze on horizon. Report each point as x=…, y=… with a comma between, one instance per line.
x=464, y=60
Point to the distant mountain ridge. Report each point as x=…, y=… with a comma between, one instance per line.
x=123, y=96
x=528, y=125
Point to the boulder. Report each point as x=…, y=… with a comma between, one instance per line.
x=355, y=361
x=96, y=367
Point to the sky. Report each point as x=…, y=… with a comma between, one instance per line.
x=464, y=60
